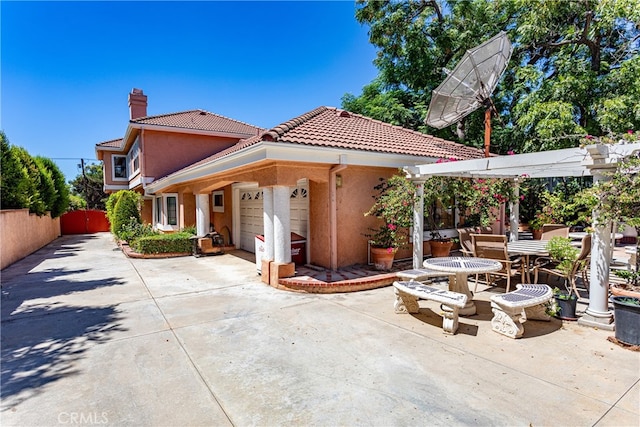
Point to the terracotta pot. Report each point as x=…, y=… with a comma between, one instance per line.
x=620, y=291
x=440, y=248
x=537, y=234
x=382, y=258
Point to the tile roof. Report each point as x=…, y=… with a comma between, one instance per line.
x=335, y=128
x=200, y=120
x=114, y=143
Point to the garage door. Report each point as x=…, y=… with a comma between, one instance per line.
x=251, y=210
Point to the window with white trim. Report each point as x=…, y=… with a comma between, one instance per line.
x=166, y=212
x=119, y=168
x=133, y=158
x=218, y=201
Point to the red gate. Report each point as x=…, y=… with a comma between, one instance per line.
x=84, y=222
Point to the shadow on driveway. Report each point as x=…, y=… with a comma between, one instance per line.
x=43, y=337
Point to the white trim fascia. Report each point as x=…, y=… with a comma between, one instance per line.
x=111, y=187
x=289, y=152
x=135, y=182
x=545, y=164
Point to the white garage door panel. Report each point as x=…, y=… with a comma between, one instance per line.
x=251, y=211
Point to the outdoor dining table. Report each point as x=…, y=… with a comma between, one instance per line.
x=526, y=248
x=462, y=267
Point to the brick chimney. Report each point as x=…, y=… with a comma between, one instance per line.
x=137, y=104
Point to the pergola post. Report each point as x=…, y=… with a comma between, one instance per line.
x=514, y=212
x=418, y=224
x=598, y=313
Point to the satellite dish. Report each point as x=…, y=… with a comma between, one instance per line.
x=469, y=86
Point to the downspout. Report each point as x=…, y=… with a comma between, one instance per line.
x=333, y=212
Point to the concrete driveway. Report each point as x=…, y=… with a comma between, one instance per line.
x=92, y=337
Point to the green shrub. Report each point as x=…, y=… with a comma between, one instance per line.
x=134, y=230
x=57, y=199
x=123, y=208
x=191, y=229
x=164, y=243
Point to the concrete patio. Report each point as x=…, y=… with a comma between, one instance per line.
x=90, y=336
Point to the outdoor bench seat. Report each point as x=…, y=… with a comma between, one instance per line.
x=512, y=309
x=408, y=293
x=421, y=274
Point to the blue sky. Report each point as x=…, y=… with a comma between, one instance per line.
x=68, y=67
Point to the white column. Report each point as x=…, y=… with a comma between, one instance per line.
x=598, y=313
x=514, y=216
x=202, y=214
x=281, y=224
x=418, y=225
x=267, y=203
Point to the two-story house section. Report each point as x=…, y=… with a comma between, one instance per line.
x=156, y=146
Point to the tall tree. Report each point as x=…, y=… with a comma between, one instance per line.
x=88, y=186
x=574, y=69
x=14, y=180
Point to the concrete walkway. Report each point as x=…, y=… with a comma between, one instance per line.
x=92, y=337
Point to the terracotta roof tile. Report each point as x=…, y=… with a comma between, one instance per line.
x=114, y=143
x=334, y=128
x=200, y=120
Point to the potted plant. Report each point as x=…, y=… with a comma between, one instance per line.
x=439, y=193
x=393, y=204
x=564, y=259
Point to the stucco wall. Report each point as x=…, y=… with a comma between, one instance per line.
x=24, y=233
x=223, y=221
x=318, y=239
x=167, y=152
x=354, y=198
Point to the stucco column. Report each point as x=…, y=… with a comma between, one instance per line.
x=281, y=225
x=202, y=214
x=514, y=215
x=267, y=203
x=418, y=224
x=598, y=313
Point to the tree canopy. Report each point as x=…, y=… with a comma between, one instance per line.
x=88, y=187
x=28, y=182
x=575, y=67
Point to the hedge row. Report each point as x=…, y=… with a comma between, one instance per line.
x=164, y=243
x=30, y=182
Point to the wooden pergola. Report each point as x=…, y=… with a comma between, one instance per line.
x=593, y=160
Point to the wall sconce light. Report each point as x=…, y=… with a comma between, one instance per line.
x=338, y=181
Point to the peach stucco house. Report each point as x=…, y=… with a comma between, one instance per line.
x=312, y=175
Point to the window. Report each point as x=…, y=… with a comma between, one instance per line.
x=166, y=212
x=133, y=158
x=218, y=201
x=172, y=210
x=443, y=217
x=158, y=210
x=119, y=168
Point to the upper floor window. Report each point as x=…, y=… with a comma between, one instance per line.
x=134, y=158
x=120, y=168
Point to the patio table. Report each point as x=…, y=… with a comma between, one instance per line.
x=462, y=267
x=526, y=248
x=578, y=235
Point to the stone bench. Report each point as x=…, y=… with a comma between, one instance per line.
x=421, y=274
x=512, y=309
x=408, y=293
